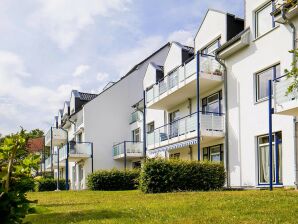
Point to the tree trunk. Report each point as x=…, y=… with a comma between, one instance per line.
x=9, y=169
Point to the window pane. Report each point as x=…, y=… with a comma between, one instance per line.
x=263, y=20
x=215, y=154
x=264, y=163
x=262, y=83
x=211, y=48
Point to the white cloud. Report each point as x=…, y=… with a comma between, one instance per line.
x=128, y=58
x=64, y=20
x=182, y=36
x=80, y=70
x=23, y=104
x=102, y=77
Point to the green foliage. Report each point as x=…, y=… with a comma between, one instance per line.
x=35, y=133
x=22, y=184
x=49, y=184
x=17, y=166
x=293, y=74
x=13, y=206
x=112, y=180
x=160, y=175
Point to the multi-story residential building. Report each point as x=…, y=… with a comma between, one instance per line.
x=207, y=102
x=187, y=96
x=258, y=54
x=104, y=130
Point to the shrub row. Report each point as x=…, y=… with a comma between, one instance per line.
x=175, y=175
x=48, y=184
x=112, y=180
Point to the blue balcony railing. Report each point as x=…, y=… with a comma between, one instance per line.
x=76, y=149
x=128, y=147
x=213, y=123
x=208, y=65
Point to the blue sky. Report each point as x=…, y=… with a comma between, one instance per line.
x=49, y=47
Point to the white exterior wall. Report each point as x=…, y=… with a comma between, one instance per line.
x=106, y=118
x=249, y=119
x=174, y=58
x=213, y=27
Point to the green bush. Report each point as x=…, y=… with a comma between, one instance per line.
x=13, y=206
x=48, y=184
x=22, y=184
x=175, y=175
x=113, y=180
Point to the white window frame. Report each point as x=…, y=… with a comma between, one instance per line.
x=256, y=18
x=275, y=74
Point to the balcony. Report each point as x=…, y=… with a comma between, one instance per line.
x=181, y=84
x=58, y=136
x=48, y=163
x=135, y=116
x=290, y=6
x=77, y=151
x=285, y=104
x=211, y=124
x=128, y=149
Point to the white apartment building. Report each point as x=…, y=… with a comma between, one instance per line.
x=227, y=82
x=260, y=53
x=207, y=102
x=187, y=96
x=104, y=130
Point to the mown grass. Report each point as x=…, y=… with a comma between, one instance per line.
x=279, y=206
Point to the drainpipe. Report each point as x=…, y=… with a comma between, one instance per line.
x=144, y=127
x=294, y=33
x=283, y=14
x=226, y=116
x=295, y=153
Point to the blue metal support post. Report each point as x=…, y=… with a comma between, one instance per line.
x=51, y=149
x=125, y=155
x=270, y=134
x=198, y=107
x=144, y=127
x=66, y=164
x=92, y=162
x=58, y=173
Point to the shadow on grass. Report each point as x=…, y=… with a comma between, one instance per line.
x=79, y=216
x=62, y=205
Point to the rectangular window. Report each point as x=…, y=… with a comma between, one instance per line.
x=262, y=79
x=80, y=137
x=264, y=21
x=150, y=127
x=175, y=156
x=173, y=120
x=213, y=153
x=136, y=135
x=210, y=49
x=263, y=158
x=212, y=103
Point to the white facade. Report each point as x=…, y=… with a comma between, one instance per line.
x=102, y=126
x=232, y=111
x=248, y=115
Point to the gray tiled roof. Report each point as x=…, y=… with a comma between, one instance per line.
x=87, y=96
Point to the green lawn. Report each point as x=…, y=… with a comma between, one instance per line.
x=279, y=206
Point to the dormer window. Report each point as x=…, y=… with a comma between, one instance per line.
x=264, y=20
x=211, y=48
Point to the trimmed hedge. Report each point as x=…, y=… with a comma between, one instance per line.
x=113, y=180
x=22, y=184
x=160, y=175
x=48, y=184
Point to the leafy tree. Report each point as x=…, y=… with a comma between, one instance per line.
x=16, y=168
x=293, y=74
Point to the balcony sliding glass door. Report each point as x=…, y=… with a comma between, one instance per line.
x=264, y=162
